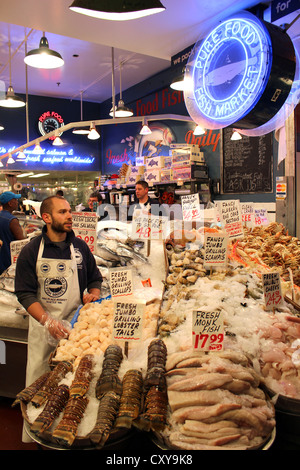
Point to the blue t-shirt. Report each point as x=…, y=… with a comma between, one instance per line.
x=6, y=236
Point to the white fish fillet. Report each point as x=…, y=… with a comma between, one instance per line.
x=199, y=413
x=204, y=381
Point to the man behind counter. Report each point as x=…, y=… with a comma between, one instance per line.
x=52, y=273
x=144, y=202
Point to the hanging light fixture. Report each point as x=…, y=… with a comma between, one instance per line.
x=80, y=130
x=145, y=129
x=235, y=136
x=93, y=134
x=11, y=100
x=199, y=130
x=21, y=155
x=10, y=159
x=1, y=127
x=178, y=82
x=57, y=141
x=121, y=110
x=1, y=164
x=37, y=149
x=43, y=57
x=117, y=10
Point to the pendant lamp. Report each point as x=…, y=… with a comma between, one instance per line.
x=145, y=129
x=236, y=136
x=199, y=130
x=117, y=10
x=93, y=134
x=121, y=110
x=1, y=127
x=43, y=57
x=80, y=130
x=11, y=100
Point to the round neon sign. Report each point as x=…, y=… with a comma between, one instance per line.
x=229, y=72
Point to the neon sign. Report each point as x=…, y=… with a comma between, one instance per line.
x=229, y=72
x=50, y=121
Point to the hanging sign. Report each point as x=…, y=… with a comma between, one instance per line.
x=50, y=121
x=128, y=319
x=272, y=290
x=208, y=330
x=215, y=250
x=85, y=227
x=120, y=282
x=236, y=71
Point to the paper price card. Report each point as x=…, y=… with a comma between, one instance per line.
x=148, y=227
x=272, y=290
x=85, y=227
x=16, y=248
x=215, y=250
x=208, y=330
x=231, y=219
x=247, y=211
x=128, y=319
x=120, y=282
x=191, y=210
x=261, y=217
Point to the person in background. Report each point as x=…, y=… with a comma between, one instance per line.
x=144, y=202
x=95, y=204
x=55, y=273
x=10, y=228
x=59, y=192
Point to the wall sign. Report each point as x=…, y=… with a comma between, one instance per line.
x=235, y=75
x=50, y=121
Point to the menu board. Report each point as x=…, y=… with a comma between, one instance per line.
x=247, y=164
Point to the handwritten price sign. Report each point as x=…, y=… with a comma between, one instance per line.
x=148, y=227
x=85, y=227
x=191, y=210
x=208, y=330
x=272, y=290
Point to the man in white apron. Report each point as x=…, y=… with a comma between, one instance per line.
x=52, y=275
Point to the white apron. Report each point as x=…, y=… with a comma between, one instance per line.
x=59, y=294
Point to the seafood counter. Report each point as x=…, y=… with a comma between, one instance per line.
x=97, y=392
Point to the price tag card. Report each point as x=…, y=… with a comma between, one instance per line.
x=272, y=290
x=215, y=250
x=231, y=219
x=191, y=210
x=208, y=330
x=261, y=217
x=16, y=248
x=128, y=319
x=120, y=282
x=85, y=227
x=148, y=227
x=247, y=211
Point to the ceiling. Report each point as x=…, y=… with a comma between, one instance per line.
x=144, y=46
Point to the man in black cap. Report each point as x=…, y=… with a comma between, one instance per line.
x=10, y=228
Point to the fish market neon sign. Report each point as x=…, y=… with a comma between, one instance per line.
x=230, y=70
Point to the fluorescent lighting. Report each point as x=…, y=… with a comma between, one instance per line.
x=39, y=175
x=23, y=175
x=117, y=10
x=43, y=57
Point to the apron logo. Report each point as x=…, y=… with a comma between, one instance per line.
x=61, y=267
x=55, y=287
x=78, y=256
x=45, y=268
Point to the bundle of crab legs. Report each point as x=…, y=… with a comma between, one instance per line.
x=134, y=401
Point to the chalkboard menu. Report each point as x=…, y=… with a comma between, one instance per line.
x=247, y=164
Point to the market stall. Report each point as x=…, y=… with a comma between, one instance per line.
x=105, y=385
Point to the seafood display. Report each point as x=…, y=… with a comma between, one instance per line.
x=82, y=378
x=66, y=430
x=109, y=379
x=54, y=406
x=131, y=399
x=26, y=395
x=271, y=245
x=55, y=376
x=107, y=411
x=92, y=332
x=215, y=402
